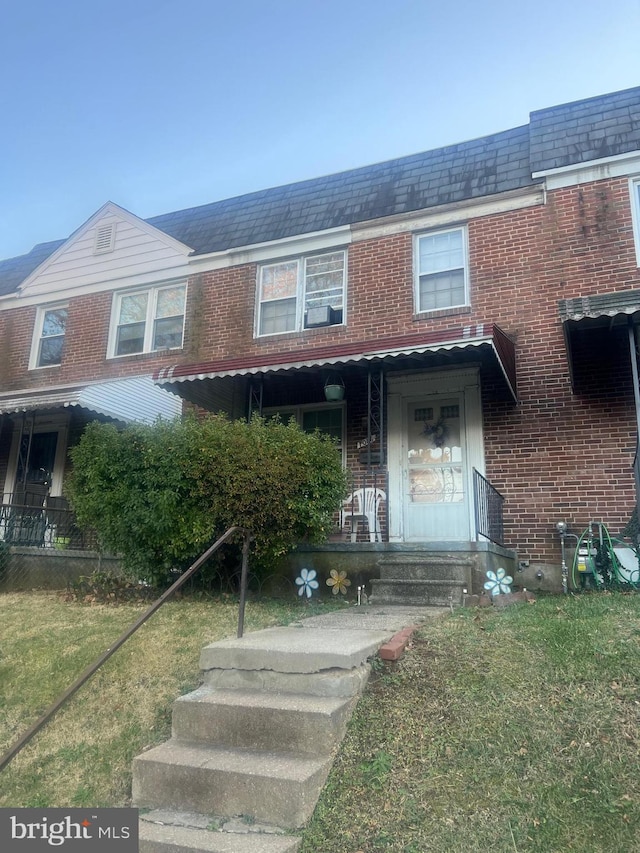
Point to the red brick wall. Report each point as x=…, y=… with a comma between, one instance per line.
x=553, y=455
x=85, y=348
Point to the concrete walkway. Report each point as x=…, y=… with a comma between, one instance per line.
x=389, y=618
x=252, y=747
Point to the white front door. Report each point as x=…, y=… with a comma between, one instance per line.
x=434, y=470
x=434, y=443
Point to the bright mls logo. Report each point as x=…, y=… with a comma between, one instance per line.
x=70, y=830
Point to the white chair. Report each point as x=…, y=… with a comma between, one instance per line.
x=362, y=506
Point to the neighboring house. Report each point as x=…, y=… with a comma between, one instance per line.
x=83, y=325
x=478, y=303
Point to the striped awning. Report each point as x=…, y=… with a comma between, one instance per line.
x=487, y=340
x=137, y=399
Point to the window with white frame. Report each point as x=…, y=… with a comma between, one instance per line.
x=441, y=270
x=301, y=293
x=635, y=210
x=49, y=334
x=148, y=320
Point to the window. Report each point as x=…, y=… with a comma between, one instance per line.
x=148, y=320
x=51, y=326
x=329, y=420
x=441, y=265
x=635, y=211
x=301, y=294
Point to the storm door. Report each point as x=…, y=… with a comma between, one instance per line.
x=434, y=476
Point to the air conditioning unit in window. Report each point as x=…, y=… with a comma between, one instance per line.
x=322, y=315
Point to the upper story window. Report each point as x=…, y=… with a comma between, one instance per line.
x=148, y=320
x=48, y=341
x=301, y=294
x=635, y=210
x=441, y=270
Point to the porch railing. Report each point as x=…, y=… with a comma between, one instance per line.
x=489, y=505
x=39, y=521
x=364, y=516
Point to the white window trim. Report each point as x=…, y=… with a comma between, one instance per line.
x=634, y=192
x=37, y=335
x=416, y=269
x=153, y=291
x=287, y=412
x=300, y=291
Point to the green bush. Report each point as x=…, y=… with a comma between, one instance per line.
x=158, y=495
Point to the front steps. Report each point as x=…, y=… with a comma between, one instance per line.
x=254, y=744
x=430, y=578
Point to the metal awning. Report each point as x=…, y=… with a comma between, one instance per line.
x=137, y=399
x=597, y=323
x=481, y=342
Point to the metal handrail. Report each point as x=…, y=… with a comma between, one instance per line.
x=489, y=505
x=90, y=670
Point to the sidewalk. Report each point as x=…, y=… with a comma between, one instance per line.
x=386, y=618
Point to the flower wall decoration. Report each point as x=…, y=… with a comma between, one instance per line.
x=438, y=432
x=307, y=582
x=498, y=582
x=338, y=581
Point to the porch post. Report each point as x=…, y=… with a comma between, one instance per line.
x=255, y=398
x=634, y=370
x=633, y=350
x=375, y=411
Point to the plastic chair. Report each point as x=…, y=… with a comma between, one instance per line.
x=362, y=506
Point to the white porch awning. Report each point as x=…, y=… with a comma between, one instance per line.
x=136, y=399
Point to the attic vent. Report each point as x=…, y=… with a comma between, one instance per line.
x=105, y=238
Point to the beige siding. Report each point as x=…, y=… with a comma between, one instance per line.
x=139, y=256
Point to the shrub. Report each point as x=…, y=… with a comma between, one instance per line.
x=157, y=495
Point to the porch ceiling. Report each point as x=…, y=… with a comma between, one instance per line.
x=134, y=399
x=203, y=383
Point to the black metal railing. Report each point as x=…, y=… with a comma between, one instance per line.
x=95, y=666
x=489, y=509
x=364, y=515
x=41, y=521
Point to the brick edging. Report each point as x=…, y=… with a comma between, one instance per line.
x=394, y=648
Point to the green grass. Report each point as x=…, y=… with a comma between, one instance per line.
x=505, y=731
x=512, y=730
x=83, y=757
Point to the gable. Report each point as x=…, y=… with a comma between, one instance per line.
x=112, y=249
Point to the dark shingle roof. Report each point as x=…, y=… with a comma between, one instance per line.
x=585, y=130
x=15, y=270
x=481, y=167
x=558, y=136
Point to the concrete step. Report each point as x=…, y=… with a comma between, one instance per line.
x=442, y=567
x=155, y=838
x=433, y=593
x=262, y=721
x=337, y=683
x=271, y=787
x=293, y=649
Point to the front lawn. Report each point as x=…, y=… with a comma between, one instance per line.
x=507, y=731
x=502, y=731
x=83, y=757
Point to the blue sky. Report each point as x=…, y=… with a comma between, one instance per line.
x=159, y=105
